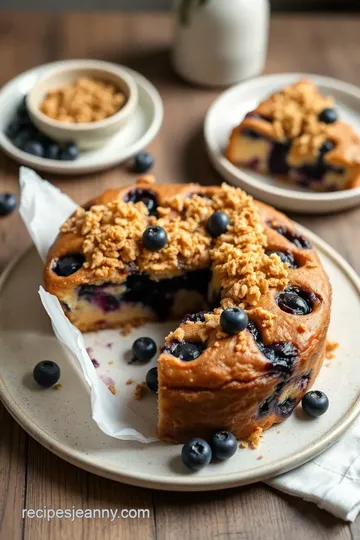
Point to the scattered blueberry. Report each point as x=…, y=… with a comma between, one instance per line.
x=21, y=138
x=217, y=224
x=223, y=445
x=154, y=238
x=144, y=161
x=13, y=129
x=7, y=203
x=196, y=453
x=147, y=196
x=69, y=153
x=68, y=264
x=144, y=349
x=285, y=256
x=46, y=373
x=233, y=320
x=329, y=116
x=187, y=351
x=34, y=148
x=295, y=301
x=152, y=379
x=52, y=151
x=315, y=403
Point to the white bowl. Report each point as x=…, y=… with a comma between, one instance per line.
x=86, y=135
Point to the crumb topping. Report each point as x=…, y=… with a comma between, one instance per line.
x=112, y=239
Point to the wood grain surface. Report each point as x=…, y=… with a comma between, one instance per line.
x=30, y=476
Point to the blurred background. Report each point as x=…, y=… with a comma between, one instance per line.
x=288, y=5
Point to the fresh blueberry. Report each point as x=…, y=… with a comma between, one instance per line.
x=295, y=301
x=46, y=373
x=52, y=151
x=144, y=161
x=13, y=129
x=7, y=203
x=152, y=379
x=315, y=403
x=144, y=349
x=233, y=320
x=147, y=196
x=154, y=238
x=329, y=116
x=285, y=256
x=68, y=264
x=196, y=453
x=223, y=445
x=217, y=224
x=187, y=351
x=69, y=153
x=35, y=148
x=22, y=138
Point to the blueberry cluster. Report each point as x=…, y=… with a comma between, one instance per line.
x=197, y=453
x=25, y=136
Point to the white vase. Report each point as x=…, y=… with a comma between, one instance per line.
x=220, y=42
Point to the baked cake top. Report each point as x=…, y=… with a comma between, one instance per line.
x=296, y=113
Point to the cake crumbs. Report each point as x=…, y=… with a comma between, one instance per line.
x=259, y=457
x=255, y=438
x=112, y=389
x=301, y=328
x=140, y=391
x=57, y=386
x=265, y=317
x=127, y=329
x=129, y=381
x=111, y=362
x=330, y=347
x=146, y=179
x=244, y=444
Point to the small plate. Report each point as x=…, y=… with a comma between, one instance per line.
x=140, y=130
x=61, y=420
x=230, y=108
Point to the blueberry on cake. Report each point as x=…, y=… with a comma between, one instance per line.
x=251, y=291
x=296, y=135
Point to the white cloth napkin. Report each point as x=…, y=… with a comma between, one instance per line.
x=332, y=480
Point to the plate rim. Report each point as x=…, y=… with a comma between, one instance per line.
x=231, y=171
x=73, y=168
x=171, y=482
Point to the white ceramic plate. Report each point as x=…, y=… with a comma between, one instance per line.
x=135, y=136
x=61, y=420
x=230, y=108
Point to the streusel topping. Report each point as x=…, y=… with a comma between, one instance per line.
x=112, y=239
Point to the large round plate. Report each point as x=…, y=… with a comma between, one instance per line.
x=140, y=130
x=230, y=108
x=61, y=420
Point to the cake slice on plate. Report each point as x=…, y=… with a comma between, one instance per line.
x=296, y=135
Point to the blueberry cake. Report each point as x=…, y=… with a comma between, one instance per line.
x=296, y=135
x=154, y=252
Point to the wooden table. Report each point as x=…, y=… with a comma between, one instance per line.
x=30, y=476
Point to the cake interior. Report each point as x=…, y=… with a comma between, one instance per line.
x=255, y=151
x=138, y=299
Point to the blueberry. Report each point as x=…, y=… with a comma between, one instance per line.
x=285, y=256
x=13, y=129
x=154, y=238
x=329, y=116
x=35, y=148
x=22, y=109
x=295, y=301
x=195, y=317
x=106, y=302
x=196, y=453
x=217, y=224
x=315, y=403
x=278, y=164
x=147, y=196
x=327, y=146
x=223, y=445
x=22, y=137
x=144, y=161
x=233, y=320
x=46, y=373
x=144, y=349
x=188, y=350
x=68, y=264
x=297, y=239
x=7, y=203
x=282, y=356
x=52, y=151
x=251, y=134
x=152, y=379
x=286, y=407
x=69, y=153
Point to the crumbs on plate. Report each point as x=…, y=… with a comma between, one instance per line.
x=140, y=391
x=330, y=347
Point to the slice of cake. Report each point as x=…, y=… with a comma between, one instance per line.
x=153, y=252
x=296, y=135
